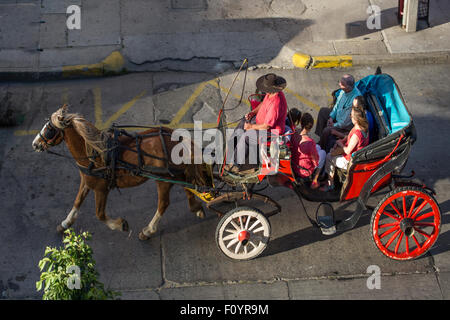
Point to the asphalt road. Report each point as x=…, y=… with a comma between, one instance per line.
x=182, y=260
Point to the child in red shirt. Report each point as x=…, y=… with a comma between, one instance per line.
x=306, y=155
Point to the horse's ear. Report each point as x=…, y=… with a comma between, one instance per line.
x=62, y=112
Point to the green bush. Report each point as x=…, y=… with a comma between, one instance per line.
x=69, y=273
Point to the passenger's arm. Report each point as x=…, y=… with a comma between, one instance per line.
x=252, y=113
x=345, y=120
x=352, y=144
x=251, y=126
x=338, y=134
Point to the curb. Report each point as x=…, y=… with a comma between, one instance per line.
x=301, y=60
x=114, y=64
x=305, y=61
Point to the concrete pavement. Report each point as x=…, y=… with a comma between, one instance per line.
x=206, y=36
x=182, y=260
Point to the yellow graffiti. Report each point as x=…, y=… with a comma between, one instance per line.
x=176, y=121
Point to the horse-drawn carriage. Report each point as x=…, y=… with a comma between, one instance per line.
x=404, y=225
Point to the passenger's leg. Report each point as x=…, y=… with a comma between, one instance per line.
x=322, y=118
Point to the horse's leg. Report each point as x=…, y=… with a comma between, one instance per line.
x=163, y=203
x=73, y=214
x=101, y=195
x=194, y=205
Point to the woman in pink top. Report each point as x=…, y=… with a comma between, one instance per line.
x=306, y=155
x=357, y=139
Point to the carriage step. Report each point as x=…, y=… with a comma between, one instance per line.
x=325, y=219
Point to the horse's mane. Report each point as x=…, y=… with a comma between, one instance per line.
x=97, y=140
x=93, y=137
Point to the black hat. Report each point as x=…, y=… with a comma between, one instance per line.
x=271, y=83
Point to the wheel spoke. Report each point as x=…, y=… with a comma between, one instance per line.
x=247, y=222
x=399, y=242
x=254, y=225
x=381, y=226
x=238, y=246
x=259, y=229
x=391, y=216
x=425, y=224
x=392, y=238
x=405, y=214
x=418, y=210
x=254, y=245
x=232, y=242
x=423, y=233
x=395, y=209
x=412, y=206
x=245, y=250
x=229, y=237
x=407, y=245
x=424, y=216
x=241, y=223
x=230, y=231
x=389, y=231
x=235, y=225
x=417, y=242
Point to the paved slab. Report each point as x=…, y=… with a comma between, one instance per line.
x=402, y=287
x=53, y=33
x=207, y=36
x=277, y=290
x=20, y=33
x=51, y=6
x=182, y=259
x=100, y=25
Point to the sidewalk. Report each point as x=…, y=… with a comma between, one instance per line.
x=213, y=36
x=201, y=36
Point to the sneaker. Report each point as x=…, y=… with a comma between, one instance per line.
x=315, y=185
x=231, y=168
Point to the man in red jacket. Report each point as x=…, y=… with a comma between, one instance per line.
x=270, y=116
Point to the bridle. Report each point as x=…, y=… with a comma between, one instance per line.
x=49, y=133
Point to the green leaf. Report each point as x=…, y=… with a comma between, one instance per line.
x=39, y=285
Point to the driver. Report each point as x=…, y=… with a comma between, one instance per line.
x=270, y=115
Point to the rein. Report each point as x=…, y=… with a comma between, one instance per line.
x=113, y=161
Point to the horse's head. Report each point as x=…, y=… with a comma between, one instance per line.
x=52, y=133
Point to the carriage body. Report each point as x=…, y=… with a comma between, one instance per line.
x=410, y=207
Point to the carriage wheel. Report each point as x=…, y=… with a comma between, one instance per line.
x=243, y=233
x=406, y=223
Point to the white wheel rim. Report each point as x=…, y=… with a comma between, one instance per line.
x=252, y=222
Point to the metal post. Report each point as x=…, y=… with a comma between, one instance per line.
x=410, y=15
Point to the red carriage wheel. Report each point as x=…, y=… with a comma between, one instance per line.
x=406, y=223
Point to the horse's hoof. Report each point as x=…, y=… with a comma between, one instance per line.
x=125, y=226
x=60, y=229
x=143, y=237
x=200, y=214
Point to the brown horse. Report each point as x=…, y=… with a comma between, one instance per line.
x=82, y=138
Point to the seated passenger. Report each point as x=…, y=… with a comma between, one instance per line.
x=358, y=102
x=268, y=116
x=292, y=121
x=306, y=155
x=337, y=119
x=357, y=139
